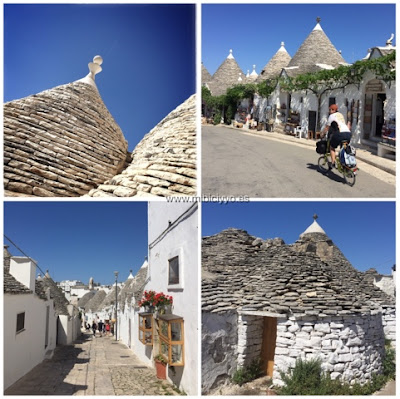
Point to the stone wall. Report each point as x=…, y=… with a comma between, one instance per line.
x=350, y=347
x=250, y=335
x=61, y=142
x=219, y=348
x=389, y=323
x=163, y=163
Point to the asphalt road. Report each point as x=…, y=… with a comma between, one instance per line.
x=238, y=164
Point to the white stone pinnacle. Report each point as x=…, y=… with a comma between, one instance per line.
x=230, y=56
x=94, y=69
x=313, y=228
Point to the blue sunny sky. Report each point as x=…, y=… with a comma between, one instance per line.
x=255, y=31
x=79, y=240
x=363, y=231
x=148, y=56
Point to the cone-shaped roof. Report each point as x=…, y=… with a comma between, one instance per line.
x=313, y=228
x=96, y=300
x=242, y=272
x=225, y=76
x=61, y=142
x=275, y=65
x=205, y=75
x=60, y=302
x=133, y=288
x=317, y=52
x=109, y=299
x=163, y=163
x=86, y=298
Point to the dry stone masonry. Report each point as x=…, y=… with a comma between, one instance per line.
x=324, y=308
x=64, y=142
x=61, y=142
x=163, y=163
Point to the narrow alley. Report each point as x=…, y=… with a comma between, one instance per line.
x=92, y=366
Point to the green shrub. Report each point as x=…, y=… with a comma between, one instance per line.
x=307, y=378
x=389, y=365
x=217, y=118
x=247, y=373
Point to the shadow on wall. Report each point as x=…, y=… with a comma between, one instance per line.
x=148, y=351
x=175, y=374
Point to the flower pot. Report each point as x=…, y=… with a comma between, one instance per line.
x=149, y=309
x=161, y=369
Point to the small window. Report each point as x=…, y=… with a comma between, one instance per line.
x=20, y=321
x=173, y=274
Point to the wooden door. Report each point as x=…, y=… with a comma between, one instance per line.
x=312, y=120
x=268, y=345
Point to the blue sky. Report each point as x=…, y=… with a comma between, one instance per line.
x=255, y=31
x=79, y=240
x=363, y=231
x=148, y=53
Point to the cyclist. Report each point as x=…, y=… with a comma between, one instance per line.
x=338, y=131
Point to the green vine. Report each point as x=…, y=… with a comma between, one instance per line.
x=318, y=83
x=338, y=78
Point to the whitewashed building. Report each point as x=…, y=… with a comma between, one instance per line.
x=30, y=319
x=173, y=270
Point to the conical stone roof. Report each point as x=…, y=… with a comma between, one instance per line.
x=61, y=142
x=205, y=75
x=86, y=298
x=163, y=163
x=275, y=65
x=317, y=52
x=240, y=271
x=133, y=287
x=96, y=300
x=225, y=76
x=109, y=299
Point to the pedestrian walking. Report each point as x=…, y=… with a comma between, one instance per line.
x=107, y=328
x=101, y=328
x=94, y=327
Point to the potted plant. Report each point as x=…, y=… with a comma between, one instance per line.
x=163, y=303
x=152, y=300
x=161, y=367
x=147, y=301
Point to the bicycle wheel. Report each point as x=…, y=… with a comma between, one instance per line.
x=349, y=177
x=323, y=164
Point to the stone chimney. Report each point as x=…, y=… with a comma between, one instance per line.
x=24, y=270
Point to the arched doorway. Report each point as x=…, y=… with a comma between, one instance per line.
x=375, y=97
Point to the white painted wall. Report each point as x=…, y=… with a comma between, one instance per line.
x=24, y=270
x=26, y=349
x=182, y=239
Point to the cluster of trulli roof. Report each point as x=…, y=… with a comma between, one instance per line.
x=131, y=292
x=316, y=53
x=63, y=142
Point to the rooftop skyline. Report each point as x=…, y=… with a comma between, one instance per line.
x=352, y=29
x=148, y=56
x=364, y=231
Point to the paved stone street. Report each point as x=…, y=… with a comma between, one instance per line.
x=274, y=165
x=99, y=366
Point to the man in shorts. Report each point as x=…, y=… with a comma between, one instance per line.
x=339, y=130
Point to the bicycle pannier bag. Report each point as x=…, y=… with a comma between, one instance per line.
x=346, y=159
x=321, y=147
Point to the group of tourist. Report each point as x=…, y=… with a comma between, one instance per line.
x=103, y=328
